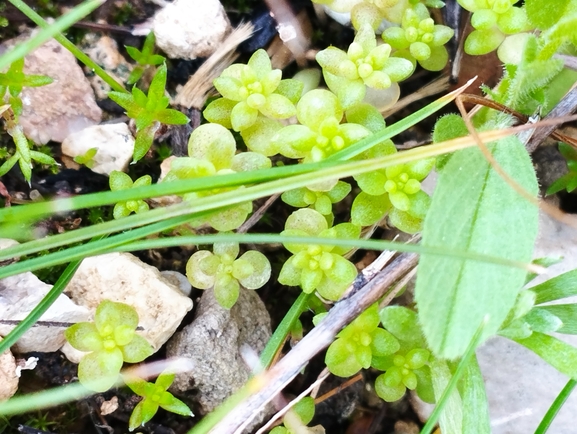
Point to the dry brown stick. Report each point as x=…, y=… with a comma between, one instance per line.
x=565, y=107
x=271, y=382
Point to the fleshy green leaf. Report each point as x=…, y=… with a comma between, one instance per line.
x=99, y=370
x=137, y=350
x=174, y=405
x=490, y=218
x=83, y=336
x=110, y=313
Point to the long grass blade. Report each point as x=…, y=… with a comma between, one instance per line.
x=48, y=31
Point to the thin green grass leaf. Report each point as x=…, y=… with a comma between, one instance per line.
x=475, y=210
x=562, y=286
x=40, y=22
x=567, y=313
x=557, y=353
x=61, y=24
x=555, y=407
x=277, y=339
x=125, y=242
x=44, y=399
x=222, y=200
x=398, y=127
x=39, y=310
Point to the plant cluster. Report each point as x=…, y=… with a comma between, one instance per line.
x=459, y=301
x=110, y=341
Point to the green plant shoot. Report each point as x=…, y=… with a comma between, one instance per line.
x=148, y=111
x=154, y=395
x=145, y=58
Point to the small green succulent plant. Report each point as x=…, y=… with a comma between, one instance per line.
x=419, y=39
x=320, y=133
x=314, y=266
x=155, y=395
x=87, y=159
x=364, y=64
x=121, y=181
x=225, y=272
x=395, y=190
x=408, y=366
x=251, y=90
x=319, y=197
x=110, y=341
x=359, y=343
x=493, y=20
x=212, y=151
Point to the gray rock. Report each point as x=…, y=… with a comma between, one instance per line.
x=103, y=50
x=114, y=144
x=61, y=108
x=188, y=29
x=124, y=278
x=213, y=342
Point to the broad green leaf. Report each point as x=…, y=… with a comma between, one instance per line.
x=562, y=286
x=475, y=210
x=567, y=313
x=557, y=353
x=452, y=415
x=475, y=405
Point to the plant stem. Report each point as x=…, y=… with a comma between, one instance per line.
x=556, y=406
x=40, y=22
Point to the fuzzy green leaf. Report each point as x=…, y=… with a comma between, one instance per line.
x=474, y=209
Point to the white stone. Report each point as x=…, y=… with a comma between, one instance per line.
x=20, y=294
x=123, y=278
x=8, y=377
x=65, y=106
x=114, y=142
x=187, y=29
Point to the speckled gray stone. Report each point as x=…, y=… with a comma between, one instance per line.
x=213, y=341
